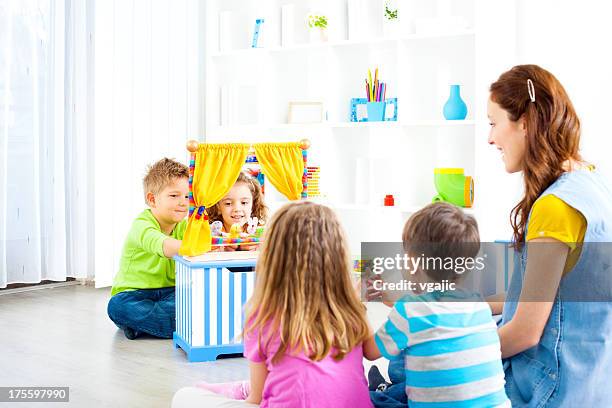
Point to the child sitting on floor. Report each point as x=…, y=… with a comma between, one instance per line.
x=443, y=344
x=305, y=323
x=243, y=202
x=143, y=290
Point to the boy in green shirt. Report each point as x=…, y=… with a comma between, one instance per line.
x=143, y=290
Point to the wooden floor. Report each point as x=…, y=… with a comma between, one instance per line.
x=63, y=337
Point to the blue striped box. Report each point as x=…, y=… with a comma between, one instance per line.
x=209, y=307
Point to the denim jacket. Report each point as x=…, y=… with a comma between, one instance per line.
x=572, y=364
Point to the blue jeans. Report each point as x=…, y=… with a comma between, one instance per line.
x=150, y=311
x=395, y=395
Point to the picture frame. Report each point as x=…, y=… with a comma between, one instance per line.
x=391, y=110
x=359, y=112
x=303, y=112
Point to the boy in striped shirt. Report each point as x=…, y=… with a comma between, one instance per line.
x=447, y=339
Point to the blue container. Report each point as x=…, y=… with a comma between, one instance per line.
x=376, y=111
x=455, y=108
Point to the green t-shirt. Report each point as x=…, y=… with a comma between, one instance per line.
x=143, y=264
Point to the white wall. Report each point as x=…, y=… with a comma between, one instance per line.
x=496, y=192
x=570, y=39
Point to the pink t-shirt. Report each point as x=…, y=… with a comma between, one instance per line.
x=296, y=381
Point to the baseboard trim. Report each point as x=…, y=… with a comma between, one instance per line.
x=43, y=286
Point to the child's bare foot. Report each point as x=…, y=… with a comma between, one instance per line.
x=238, y=390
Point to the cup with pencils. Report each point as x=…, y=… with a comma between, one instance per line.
x=375, y=94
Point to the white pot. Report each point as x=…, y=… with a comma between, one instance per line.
x=391, y=28
x=318, y=35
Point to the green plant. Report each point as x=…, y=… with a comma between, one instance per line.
x=390, y=14
x=317, y=21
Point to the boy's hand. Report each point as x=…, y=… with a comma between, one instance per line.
x=171, y=247
x=370, y=349
x=372, y=294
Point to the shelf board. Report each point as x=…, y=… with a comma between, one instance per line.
x=391, y=124
x=406, y=209
x=438, y=123
x=341, y=125
x=432, y=36
x=342, y=43
x=409, y=123
x=245, y=52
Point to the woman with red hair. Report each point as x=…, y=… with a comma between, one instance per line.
x=556, y=327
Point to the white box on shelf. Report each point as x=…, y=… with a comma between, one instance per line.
x=356, y=19
x=225, y=31
x=245, y=105
x=378, y=179
x=287, y=25
x=362, y=180
x=224, y=105
x=238, y=105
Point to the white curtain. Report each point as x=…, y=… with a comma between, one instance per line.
x=91, y=91
x=147, y=105
x=43, y=144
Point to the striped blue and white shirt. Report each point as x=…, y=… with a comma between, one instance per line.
x=451, y=351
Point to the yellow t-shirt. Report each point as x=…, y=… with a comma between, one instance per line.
x=551, y=217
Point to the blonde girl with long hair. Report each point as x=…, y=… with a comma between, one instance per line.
x=305, y=323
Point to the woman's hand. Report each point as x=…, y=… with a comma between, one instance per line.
x=545, y=264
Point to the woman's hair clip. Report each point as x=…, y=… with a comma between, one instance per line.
x=531, y=90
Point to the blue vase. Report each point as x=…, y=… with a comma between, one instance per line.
x=455, y=108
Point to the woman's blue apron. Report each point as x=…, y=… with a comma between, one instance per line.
x=571, y=366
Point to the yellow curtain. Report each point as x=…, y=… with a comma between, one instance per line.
x=216, y=170
x=283, y=166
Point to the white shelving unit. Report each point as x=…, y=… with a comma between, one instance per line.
x=360, y=162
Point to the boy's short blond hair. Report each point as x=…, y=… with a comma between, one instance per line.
x=162, y=173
